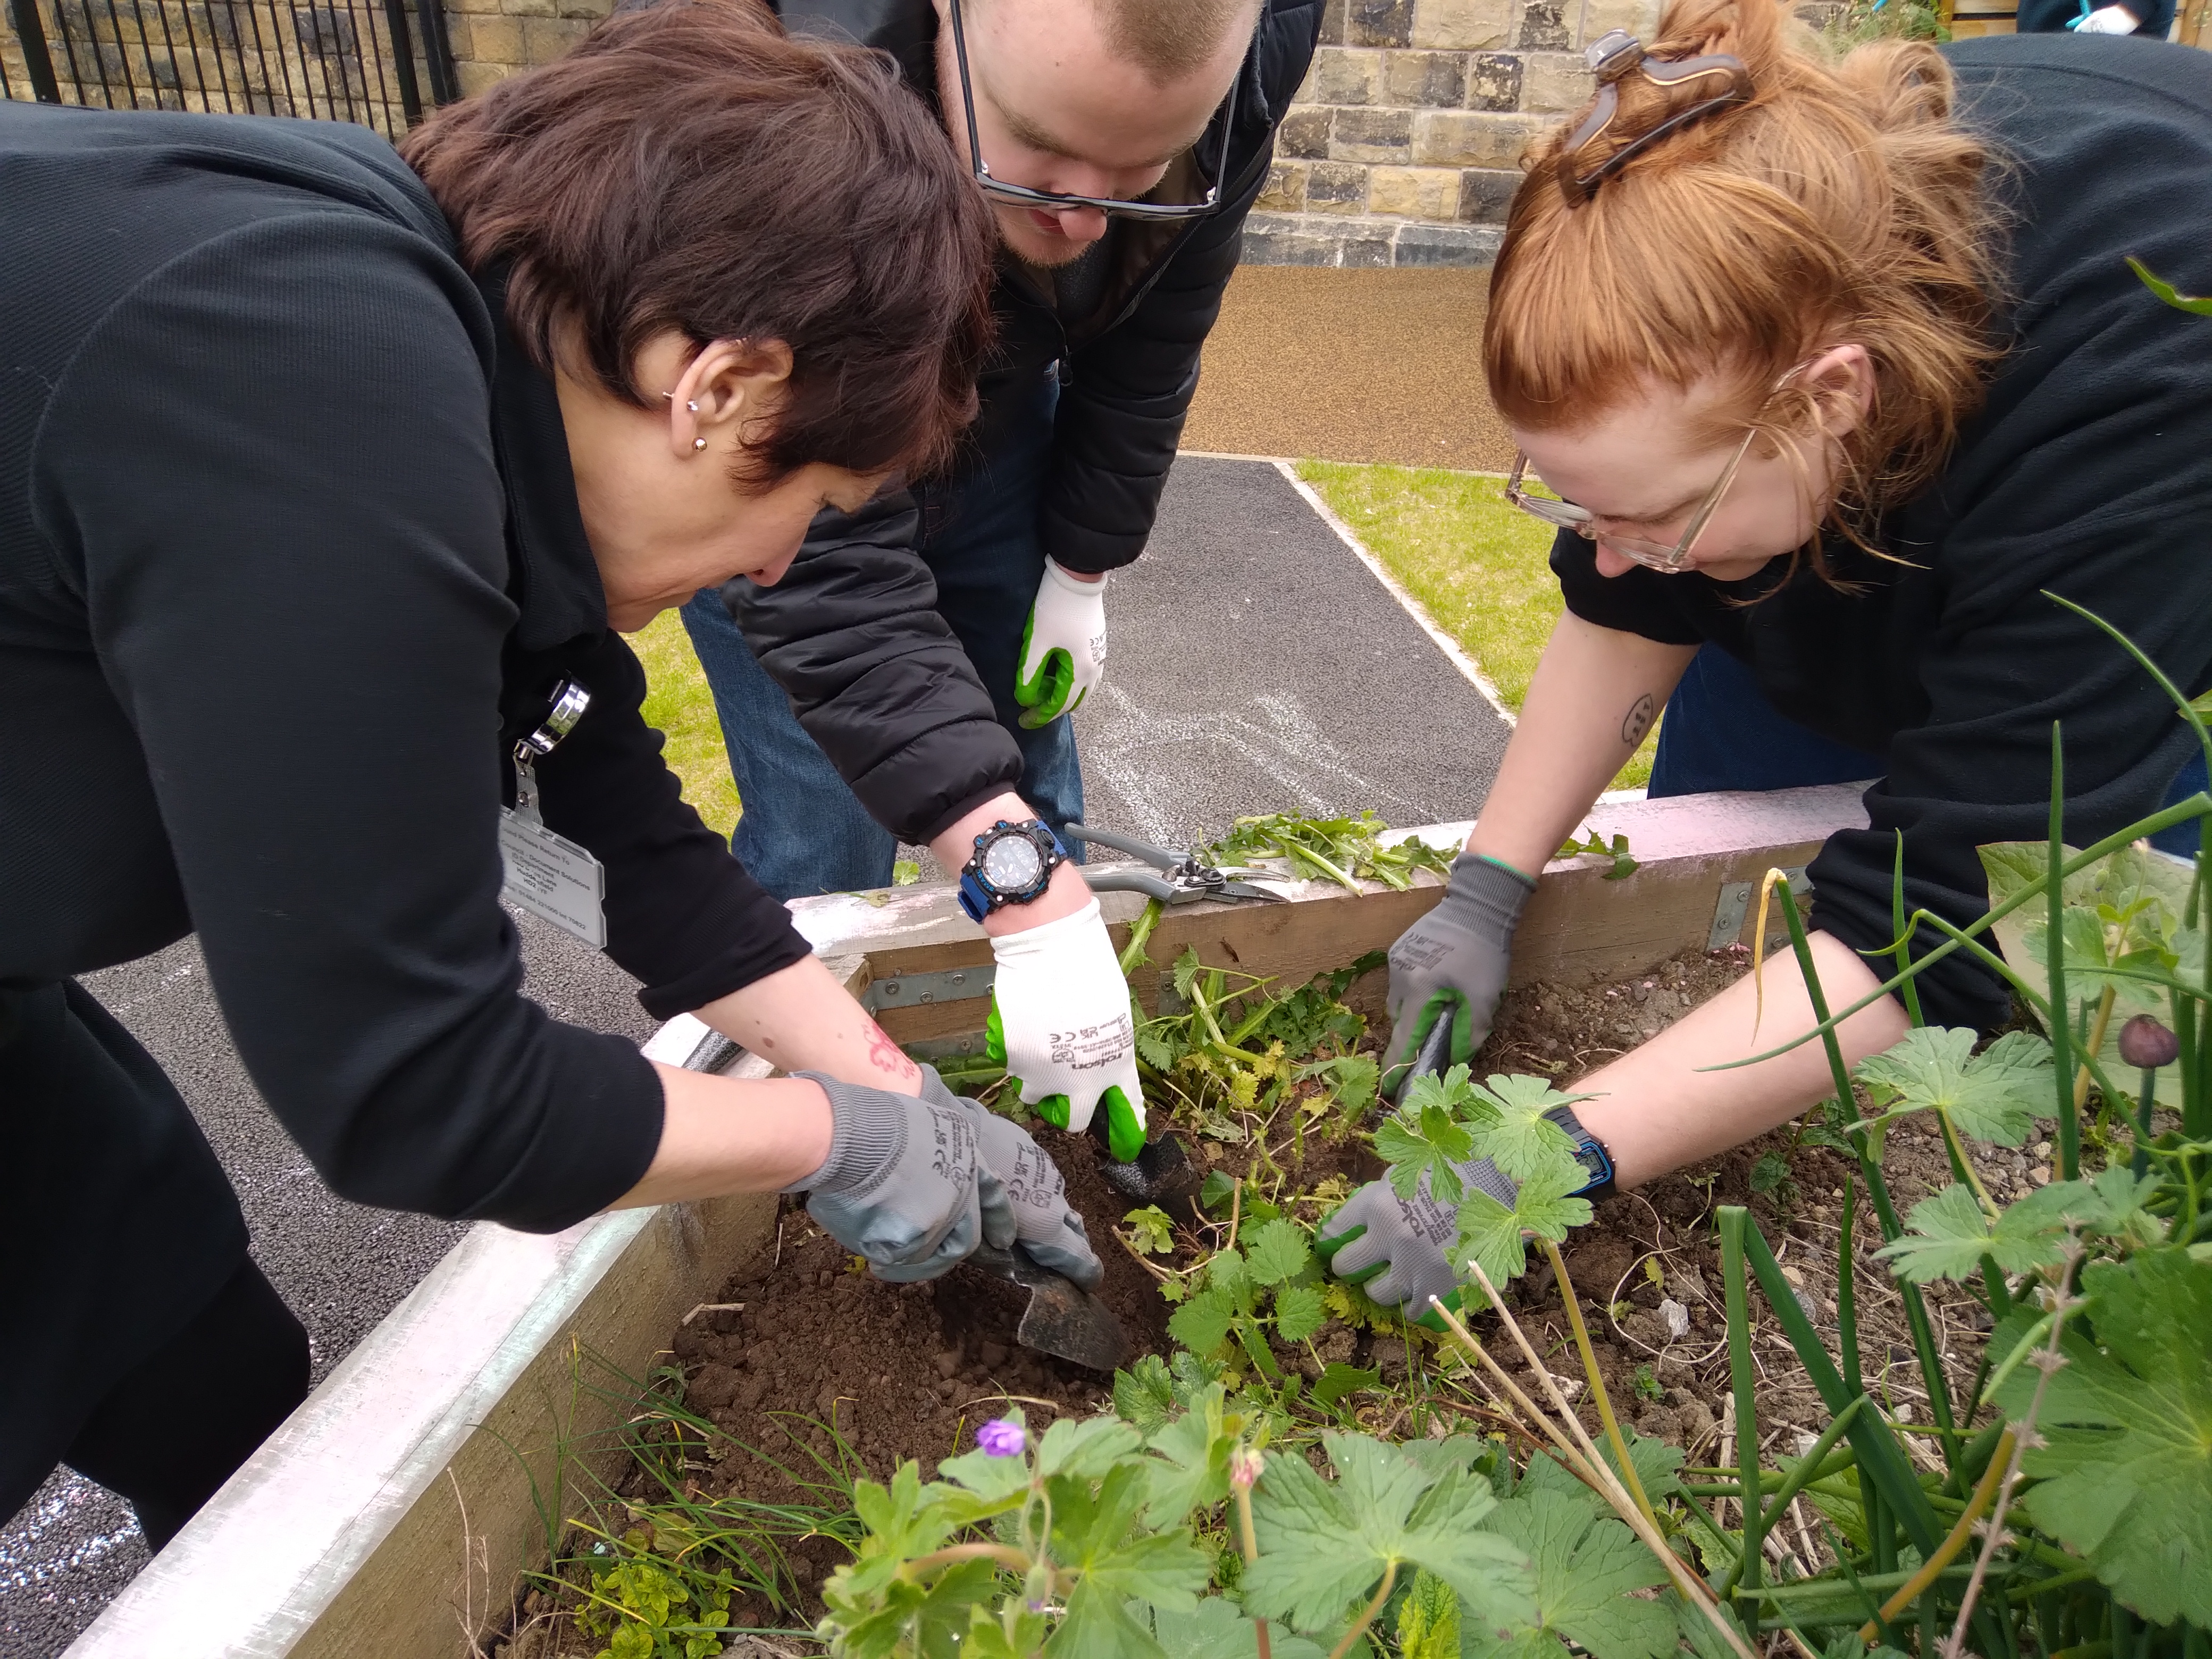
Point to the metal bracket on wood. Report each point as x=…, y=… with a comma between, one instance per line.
x=1733, y=907
x=910, y=990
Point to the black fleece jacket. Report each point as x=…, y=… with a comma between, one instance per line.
x=289, y=554
x=852, y=633
x=2088, y=472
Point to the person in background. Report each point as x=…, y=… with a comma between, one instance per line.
x=328, y=482
x=2153, y=19
x=1830, y=368
x=911, y=679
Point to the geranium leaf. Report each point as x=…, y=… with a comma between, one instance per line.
x=1585, y=1568
x=1215, y=1629
x=1993, y=1096
x=1949, y=1236
x=2126, y=1464
x=1545, y=1206
x=1520, y=1139
x=1323, y=1545
x=1490, y=1233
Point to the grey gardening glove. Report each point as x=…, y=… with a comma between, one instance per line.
x=1454, y=960
x=1393, y=1248
x=1037, y=1194
x=904, y=1185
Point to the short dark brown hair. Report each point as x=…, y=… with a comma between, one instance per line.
x=690, y=167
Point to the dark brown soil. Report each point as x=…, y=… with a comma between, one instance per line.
x=908, y=1372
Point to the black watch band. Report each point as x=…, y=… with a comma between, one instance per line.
x=1589, y=1151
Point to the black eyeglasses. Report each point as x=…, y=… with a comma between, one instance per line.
x=1053, y=201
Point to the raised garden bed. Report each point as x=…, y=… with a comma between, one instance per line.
x=393, y=1510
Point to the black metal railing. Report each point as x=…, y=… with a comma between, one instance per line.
x=381, y=63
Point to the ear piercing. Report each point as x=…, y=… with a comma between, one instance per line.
x=691, y=404
x=698, y=443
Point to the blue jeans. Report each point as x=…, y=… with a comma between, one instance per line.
x=803, y=830
x=1721, y=732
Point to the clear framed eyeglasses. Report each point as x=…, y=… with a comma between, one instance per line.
x=1053, y=201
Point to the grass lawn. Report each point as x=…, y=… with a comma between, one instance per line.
x=1475, y=563
x=679, y=705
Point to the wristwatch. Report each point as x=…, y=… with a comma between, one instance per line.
x=1589, y=1152
x=1014, y=864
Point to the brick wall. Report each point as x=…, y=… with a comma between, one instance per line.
x=492, y=38
x=1403, y=146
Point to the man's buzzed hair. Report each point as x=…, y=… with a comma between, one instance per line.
x=1170, y=38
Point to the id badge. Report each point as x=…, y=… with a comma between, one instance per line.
x=552, y=878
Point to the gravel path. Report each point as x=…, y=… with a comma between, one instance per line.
x=1351, y=366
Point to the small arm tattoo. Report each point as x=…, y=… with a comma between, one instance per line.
x=1637, y=722
x=888, y=1056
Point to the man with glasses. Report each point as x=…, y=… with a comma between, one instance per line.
x=911, y=679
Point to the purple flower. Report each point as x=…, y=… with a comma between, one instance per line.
x=1002, y=1436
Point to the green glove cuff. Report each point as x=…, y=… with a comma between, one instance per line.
x=1043, y=696
x=1125, y=1136
x=1445, y=1002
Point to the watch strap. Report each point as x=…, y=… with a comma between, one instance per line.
x=1592, y=1153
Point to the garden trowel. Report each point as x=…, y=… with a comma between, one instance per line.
x=1062, y=1319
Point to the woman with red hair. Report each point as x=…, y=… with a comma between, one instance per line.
x=1828, y=369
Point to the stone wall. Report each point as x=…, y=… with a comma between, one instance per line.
x=1403, y=146
x=492, y=38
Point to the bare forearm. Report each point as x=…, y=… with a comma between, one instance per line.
x=729, y=1135
x=1066, y=894
x=1593, y=697
x=1657, y=1110
x=801, y=1019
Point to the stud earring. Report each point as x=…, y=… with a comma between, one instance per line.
x=692, y=403
x=698, y=443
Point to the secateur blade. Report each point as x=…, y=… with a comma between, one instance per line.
x=1434, y=1057
x=1062, y=1319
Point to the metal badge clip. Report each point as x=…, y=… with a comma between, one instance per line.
x=570, y=700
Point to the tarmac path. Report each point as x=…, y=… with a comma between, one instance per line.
x=1256, y=665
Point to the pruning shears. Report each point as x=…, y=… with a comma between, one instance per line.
x=1183, y=878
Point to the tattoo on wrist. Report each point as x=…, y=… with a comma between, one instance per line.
x=888, y=1056
x=1637, y=722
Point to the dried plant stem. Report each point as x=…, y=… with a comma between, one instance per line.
x=1591, y=1467
x=2021, y=1437
x=1613, y=1434
x=2094, y=1045
x=1984, y=1493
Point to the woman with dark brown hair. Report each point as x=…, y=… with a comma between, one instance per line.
x=1830, y=369
x=327, y=481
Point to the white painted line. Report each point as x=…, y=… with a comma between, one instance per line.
x=1412, y=606
x=1292, y=460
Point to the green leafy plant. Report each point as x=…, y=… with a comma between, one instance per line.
x=1271, y=1285
x=1347, y=851
x=1593, y=843
x=645, y=1609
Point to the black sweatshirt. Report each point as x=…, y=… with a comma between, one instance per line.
x=289, y=553
x=2088, y=472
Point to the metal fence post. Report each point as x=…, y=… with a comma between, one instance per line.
x=438, y=52
x=402, y=60
x=31, y=34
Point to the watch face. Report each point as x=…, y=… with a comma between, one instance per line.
x=1012, y=863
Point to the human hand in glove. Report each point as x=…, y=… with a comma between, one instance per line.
x=1037, y=1192
x=903, y=1184
x=1060, y=1026
x=2107, y=20
x=1393, y=1248
x=1454, y=960
x=1063, y=647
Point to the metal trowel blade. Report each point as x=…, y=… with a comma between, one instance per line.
x=1062, y=1319
x=1161, y=1175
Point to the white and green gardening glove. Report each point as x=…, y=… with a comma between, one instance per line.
x=1060, y=1026
x=1455, y=959
x=1063, y=647
x=904, y=1185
